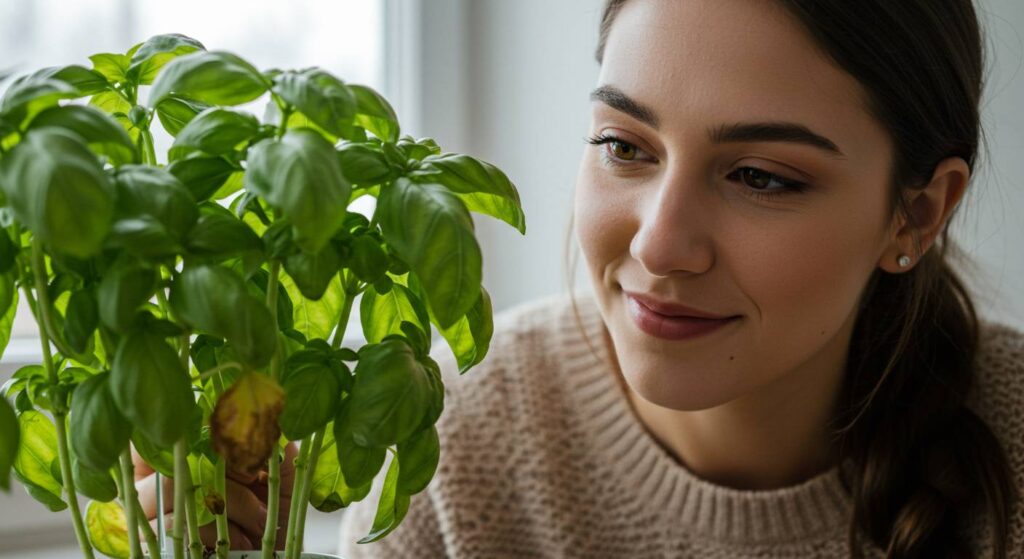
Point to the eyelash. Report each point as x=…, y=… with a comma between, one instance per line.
x=789, y=186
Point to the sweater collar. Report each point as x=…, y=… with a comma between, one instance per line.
x=817, y=506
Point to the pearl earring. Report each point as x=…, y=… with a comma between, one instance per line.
x=903, y=261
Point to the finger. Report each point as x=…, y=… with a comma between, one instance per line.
x=245, y=509
x=146, y=488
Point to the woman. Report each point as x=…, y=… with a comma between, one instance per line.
x=789, y=170
x=778, y=359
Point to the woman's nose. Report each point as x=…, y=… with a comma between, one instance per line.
x=675, y=232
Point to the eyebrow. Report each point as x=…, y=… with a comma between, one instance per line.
x=738, y=132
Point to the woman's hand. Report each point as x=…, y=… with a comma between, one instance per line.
x=246, y=500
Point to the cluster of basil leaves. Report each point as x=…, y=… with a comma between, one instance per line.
x=138, y=253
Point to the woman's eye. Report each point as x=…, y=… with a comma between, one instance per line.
x=764, y=185
x=617, y=152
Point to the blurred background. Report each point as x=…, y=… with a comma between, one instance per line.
x=506, y=82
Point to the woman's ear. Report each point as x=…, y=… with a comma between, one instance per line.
x=929, y=208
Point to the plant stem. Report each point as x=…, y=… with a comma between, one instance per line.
x=273, y=503
x=128, y=497
x=191, y=515
x=293, y=512
x=346, y=311
x=149, y=154
x=307, y=487
x=221, y=483
x=59, y=404
x=180, y=473
x=274, y=468
x=215, y=370
x=223, y=535
x=152, y=542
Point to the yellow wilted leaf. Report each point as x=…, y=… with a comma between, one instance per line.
x=244, y=422
x=108, y=529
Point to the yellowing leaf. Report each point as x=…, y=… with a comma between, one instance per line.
x=244, y=423
x=108, y=528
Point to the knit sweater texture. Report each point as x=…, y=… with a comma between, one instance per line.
x=543, y=456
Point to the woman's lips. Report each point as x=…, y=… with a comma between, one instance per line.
x=671, y=327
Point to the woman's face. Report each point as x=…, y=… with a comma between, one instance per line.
x=695, y=205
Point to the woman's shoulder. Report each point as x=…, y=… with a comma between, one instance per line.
x=1000, y=363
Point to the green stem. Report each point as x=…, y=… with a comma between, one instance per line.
x=152, y=542
x=59, y=405
x=274, y=469
x=273, y=503
x=129, y=497
x=293, y=512
x=221, y=483
x=307, y=487
x=215, y=370
x=346, y=311
x=191, y=514
x=180, y=473
x=149, y=152
x=223, y=535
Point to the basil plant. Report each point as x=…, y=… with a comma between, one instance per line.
x=194, y=308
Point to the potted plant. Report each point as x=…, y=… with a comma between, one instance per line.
x=194, y=308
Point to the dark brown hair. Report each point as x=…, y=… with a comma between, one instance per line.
x=923, y=461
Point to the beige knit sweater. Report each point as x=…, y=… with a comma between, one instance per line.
x=542, y=456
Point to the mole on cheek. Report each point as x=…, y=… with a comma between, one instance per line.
x=731, y=357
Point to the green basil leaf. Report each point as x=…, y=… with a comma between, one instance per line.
x=215, y=300
x=57, y=188
x=123, y=289
x=111, y=66
x=98, y=485
x=382, y=314
x=153, y=191
x=175, y=112
x=420, y=456
x=9, y=436
x=99, y=433
x=363, y=165
x=374, y=113
x=36, y=459
x=391, y=394
x=81, y=319
x=483, y=187
x=108, y=529
x=150, y=387
x=215, y=131
x=9, y=293
x=431, y=230
x=155, y=53
x=391, y=508
x=102, y=133
x=85, y=81
x=359, y=464
x=28, y=95
x=299, y=174
x=8, y=252
x=160, y=459
x=312, y=395
x=470, y=336
x=219, y=234
x=330, y=491
x=313, y=272
x=418, y=149
x=202, y=176
x=111, y=103
x=316, y=319
x=368, y=260
x=323, y=98
x=214, y=77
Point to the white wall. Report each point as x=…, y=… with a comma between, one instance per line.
x=520, y=102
